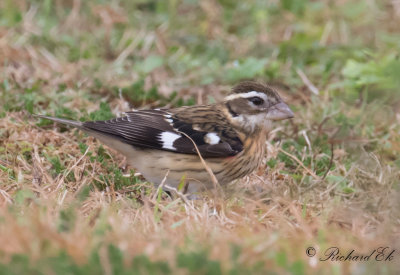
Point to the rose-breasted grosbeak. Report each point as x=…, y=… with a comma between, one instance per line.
x=230, y=136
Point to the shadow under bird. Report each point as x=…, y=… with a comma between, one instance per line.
x=229, y=135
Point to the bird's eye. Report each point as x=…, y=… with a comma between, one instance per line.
x=256, y=100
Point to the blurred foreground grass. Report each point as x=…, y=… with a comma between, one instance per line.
x=331, y=176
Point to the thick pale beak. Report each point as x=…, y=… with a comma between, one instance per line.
x=279, y=111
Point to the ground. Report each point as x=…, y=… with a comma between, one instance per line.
x=330, y=177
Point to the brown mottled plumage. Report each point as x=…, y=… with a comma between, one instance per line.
x=229, y=135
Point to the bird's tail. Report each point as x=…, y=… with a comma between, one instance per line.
x=73, y=123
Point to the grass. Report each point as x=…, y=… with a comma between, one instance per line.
x=330, y=178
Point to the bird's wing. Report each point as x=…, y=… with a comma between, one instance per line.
x=164, y=130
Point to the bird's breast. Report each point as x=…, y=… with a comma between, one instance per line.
x=246, y=161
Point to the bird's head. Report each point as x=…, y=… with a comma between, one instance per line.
x=253, y=105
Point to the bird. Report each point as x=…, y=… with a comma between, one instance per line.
x=168, y=146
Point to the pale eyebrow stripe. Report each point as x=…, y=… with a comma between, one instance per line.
x=247, y=95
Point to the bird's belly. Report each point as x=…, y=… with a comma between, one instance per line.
x=155, y=166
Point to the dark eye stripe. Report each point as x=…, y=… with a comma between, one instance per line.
x=256, y=100
x=231, y=111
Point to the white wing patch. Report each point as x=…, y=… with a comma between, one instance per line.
x=168, y=139
x=168, y=118
x=212, y=138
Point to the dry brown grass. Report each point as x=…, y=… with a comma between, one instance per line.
x=268, y=214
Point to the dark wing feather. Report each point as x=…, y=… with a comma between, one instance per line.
x=160, y=129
